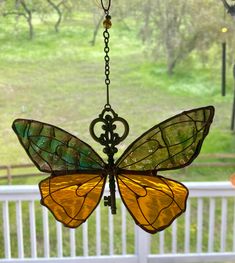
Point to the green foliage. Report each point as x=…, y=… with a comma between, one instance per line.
x=172, y=29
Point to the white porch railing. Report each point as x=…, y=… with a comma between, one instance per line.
x=205, y=233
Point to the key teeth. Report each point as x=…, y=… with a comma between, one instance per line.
x=107, y=200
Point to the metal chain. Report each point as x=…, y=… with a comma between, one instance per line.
x=107, y=65
x=107, y=24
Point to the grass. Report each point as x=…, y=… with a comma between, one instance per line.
x=58, y=78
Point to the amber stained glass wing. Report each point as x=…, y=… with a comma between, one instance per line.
x=172, y=144
x=72, y=198
x=54, y=150
x=153, y=202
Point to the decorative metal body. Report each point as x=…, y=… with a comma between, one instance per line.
x=110, y=139
x=109, y=119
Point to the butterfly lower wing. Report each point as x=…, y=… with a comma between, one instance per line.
x=72, y=198
x=153, y=202
x=53, y=149
x=172, y=144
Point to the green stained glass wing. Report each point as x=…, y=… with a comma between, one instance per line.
x=172, y=144
x=54, y=150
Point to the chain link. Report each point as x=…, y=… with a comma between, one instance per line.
x=107, y=24
x=106, y=60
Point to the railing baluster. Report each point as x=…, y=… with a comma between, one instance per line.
x=136, y=228
x=72, y=240
x=123, y=230
x=33, y=240
x=174, y=237
x=161, y=242
x=224, y=205
x=19, y=224
x=110, y=233
x=45, y=232
x=199, y=224
x=187, y=228
x=234, y=226
x=6, y=227
x=142, y=245
x=211, y=225
x=85, y=239
x=98, y=232
x=59, y=239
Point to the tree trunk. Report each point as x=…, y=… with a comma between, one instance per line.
x=96, y=30
x=145, y=30
x=170, y=67
x=57, y=9
x=28, y=18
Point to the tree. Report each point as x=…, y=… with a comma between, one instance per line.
x=20, y=8
x=178, y=27
x=58, y=6
x=98, y=23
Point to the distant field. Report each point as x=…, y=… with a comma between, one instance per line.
x=58, y=78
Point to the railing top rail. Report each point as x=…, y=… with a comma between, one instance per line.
x=19, y=192
x=220, y=185
x=196, y=189
x=191, y=185
x=18, y=189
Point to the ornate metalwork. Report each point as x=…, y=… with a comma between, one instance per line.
x=109, y=138
x=109, y=120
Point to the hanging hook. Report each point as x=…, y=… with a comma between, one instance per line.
x=106, y=9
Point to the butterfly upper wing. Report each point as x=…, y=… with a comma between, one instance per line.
x=72, y=198
x=172, y=144
x=153, y=201
x=54, y=150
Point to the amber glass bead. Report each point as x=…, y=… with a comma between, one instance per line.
x=107, y=23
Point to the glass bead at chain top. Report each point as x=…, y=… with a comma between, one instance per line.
x=107, y=23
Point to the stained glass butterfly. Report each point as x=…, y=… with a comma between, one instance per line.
x=78, y=173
